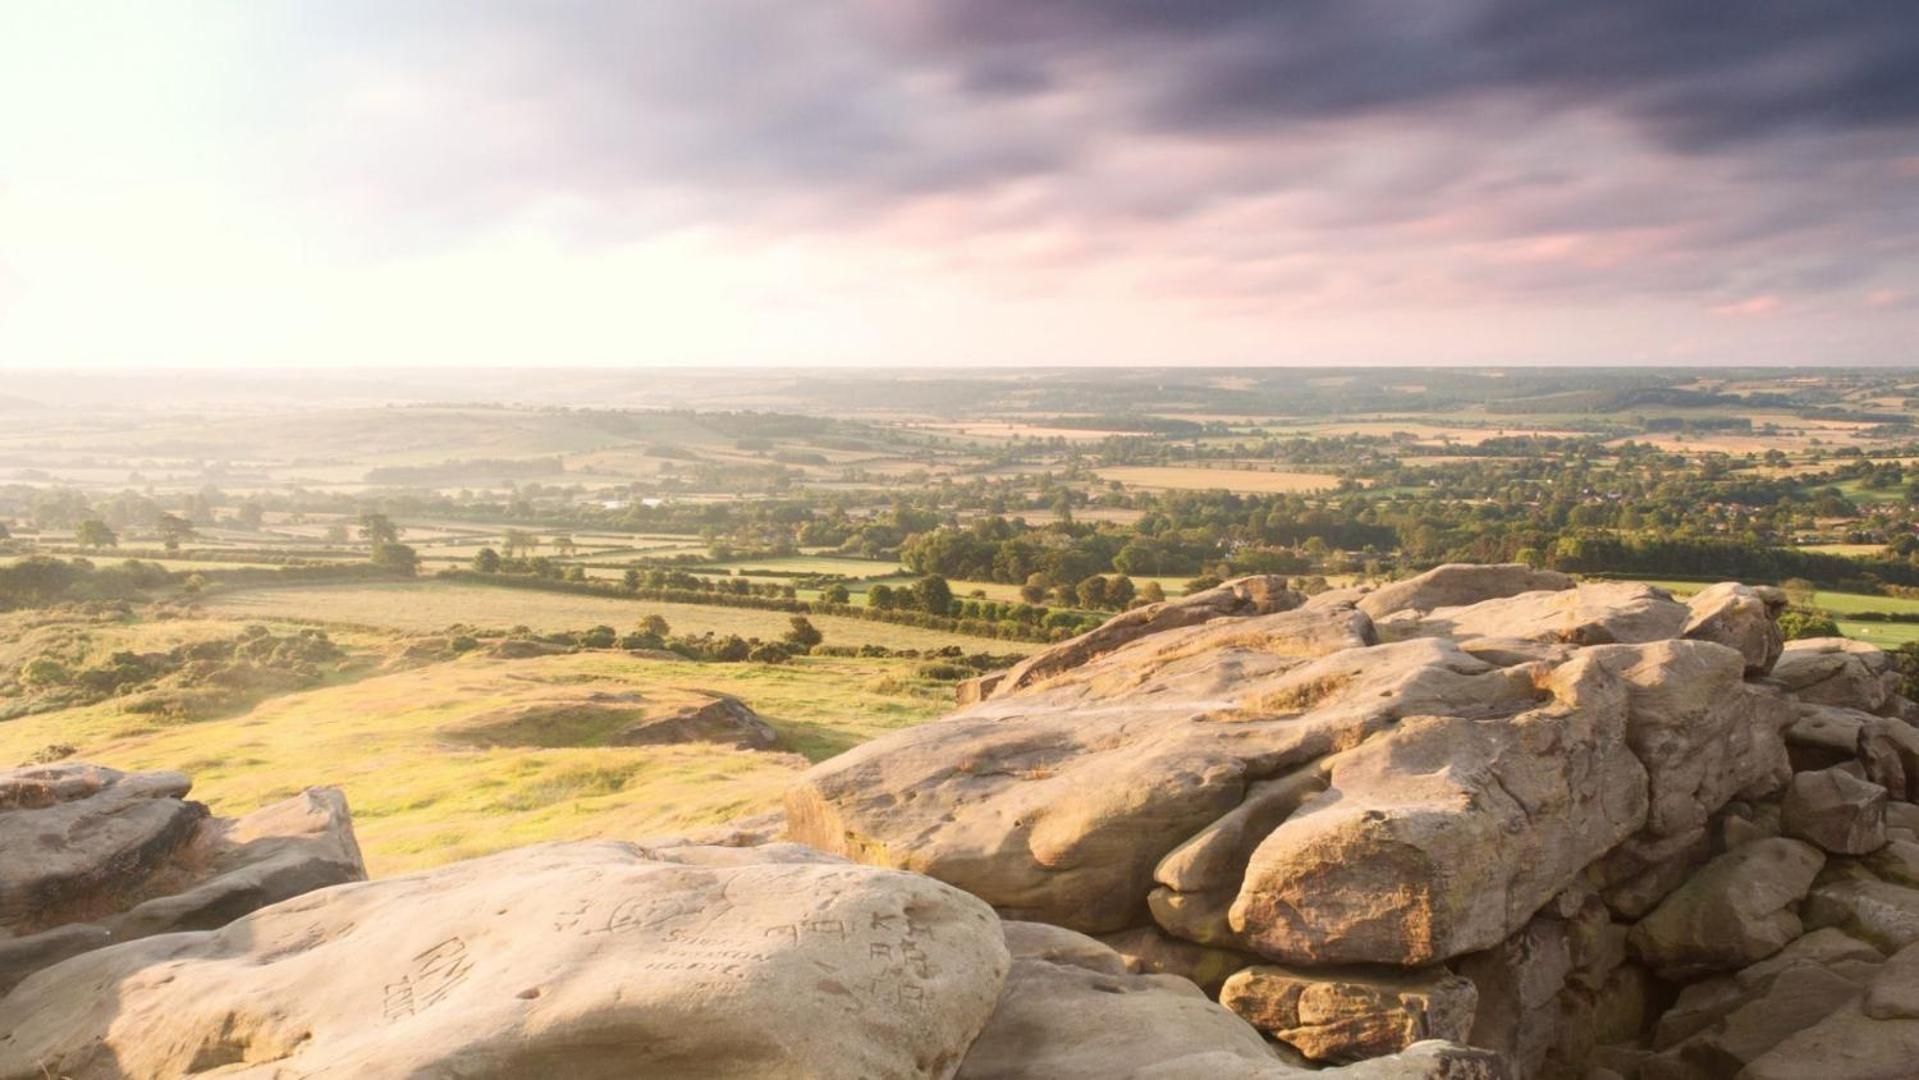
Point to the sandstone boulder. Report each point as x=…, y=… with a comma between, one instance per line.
x=1457, y=585
x=1739, y=909
x=1599, y=613
x=1334, y=1014
x=578, y=960
x=1741, y=617
x=1845, y=1045
x=81, y=840
x=1831, y=808
x=1838, y=671
x=212, y=873
x=1056, y=803
x=1071, y=1011
x=1877, y=911
x=1245, y=596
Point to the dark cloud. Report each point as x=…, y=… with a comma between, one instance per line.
x=1694, y=73
x=1703, y=147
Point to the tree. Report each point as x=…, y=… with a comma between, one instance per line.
x=933, y=595
x=1800, y=593
x=252, y=514
x=4, y=534
x=1119, y=592
x=336, y=533
x=520, y=542
x=835, y=594
x=486, y=561
x=880, y=597
x=1151, y=593
x=564, y=544
x=656, y=625
x=1092, y=592
x=803, y=635
x=396, y=558
x=378, y=529
x=173, y=530
x=631, y=580
x=95, y=534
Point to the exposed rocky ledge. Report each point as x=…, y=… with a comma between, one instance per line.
x=1488, y=804
x=1486, y=823
x=90, y=856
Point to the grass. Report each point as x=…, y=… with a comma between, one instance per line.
x=422, y=796
x=417, y=606
x=1885, y=635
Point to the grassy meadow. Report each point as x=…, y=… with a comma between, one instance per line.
x=421, y=796
x=420, y=606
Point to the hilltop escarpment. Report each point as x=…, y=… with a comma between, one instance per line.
x=1486, y=823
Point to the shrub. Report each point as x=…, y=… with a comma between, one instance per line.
x=43, y=671
x=1795, y=625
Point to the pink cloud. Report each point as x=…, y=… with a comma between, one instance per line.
x=1756, y=307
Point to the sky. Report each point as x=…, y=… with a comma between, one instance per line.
x=343, y=183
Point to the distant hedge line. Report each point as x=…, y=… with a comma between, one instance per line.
x=1005, y=630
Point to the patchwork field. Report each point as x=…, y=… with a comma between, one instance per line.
x=1189, y=478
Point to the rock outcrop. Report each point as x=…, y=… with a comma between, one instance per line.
x=1487, y=804
x=90, y=856
x=1484, y=824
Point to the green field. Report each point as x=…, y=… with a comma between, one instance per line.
x=420, y=798
x=419, y=606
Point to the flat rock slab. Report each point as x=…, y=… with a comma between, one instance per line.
x=77, y=840
x=579, y=960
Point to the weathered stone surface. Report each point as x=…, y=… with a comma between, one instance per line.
x=1845, y=1045
x=1893, y=993
x=219, y=872
x=1518, y=982
x=1457, y=585
x=1446, y=836
x=1880, y=912
x=1635, y=876
x=80, y=840
x=1075, y=1013
x=1058, y=803
x=1600, y=613
x=1704, y=1004
x=1740, y=617
x=578, y=960
x=1837, y=671
x=1737, y=910
x=1149, y=950
x=1897, y=862
x=1795, y=999
x=273, y=854
x=1345, y=1014
x=1830, y=808
x=1246, y=596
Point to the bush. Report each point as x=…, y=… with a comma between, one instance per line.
x=44, y=671
x=1796, y=625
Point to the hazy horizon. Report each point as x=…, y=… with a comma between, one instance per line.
x=743, y=183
